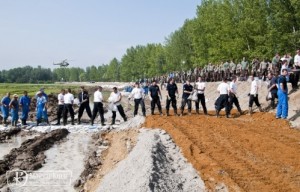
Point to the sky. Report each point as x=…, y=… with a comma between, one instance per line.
x=86, y=32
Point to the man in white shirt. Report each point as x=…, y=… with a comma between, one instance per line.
x=222, y=101
x=98, y=106
x=254, y=95
x=138, y=95
x=233, y=95
x=61, y=105
x=115, y=98
x=297, y=66
x=68, y=106
x=200, y=87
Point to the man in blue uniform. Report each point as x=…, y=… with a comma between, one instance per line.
x=25, y=104
x=41, y=106
x=282, y=106
x=5, y=107
x=14, y=106
x=45, y=113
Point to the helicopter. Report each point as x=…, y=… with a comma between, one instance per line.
x=63, y=63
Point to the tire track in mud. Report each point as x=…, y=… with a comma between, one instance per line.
x=248, y=153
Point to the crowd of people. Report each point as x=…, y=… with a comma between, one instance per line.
x=279, y=71
x=240, y=69
x=65, y=106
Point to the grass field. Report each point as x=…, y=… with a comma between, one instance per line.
x=32, y=89
x=15, y=88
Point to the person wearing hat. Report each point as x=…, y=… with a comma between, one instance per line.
x=41, y=107
x=84, y=101
x=14, y=106
x=115, y=98
x=5, y=107
x=138, y=95
x=222, y=100
x=98, y=106
x=25, y=104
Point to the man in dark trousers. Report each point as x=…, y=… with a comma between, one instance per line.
x=187, y=91
x=272, y=89
x=154, y=97
x=68, y=102
x=98, y=105
x=222, y=100
x=233, y=95
x=200, y=87
x=84, y=102
x=61, y=105
x=171, y=97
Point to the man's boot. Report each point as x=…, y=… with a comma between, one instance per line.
x=240, y=110
x=152, y=112
x=113, y=121
x=217, y=113
x=260, y=109
x=168, y=113
x=197, y=111
x=160, y=112
x=25, y=122
x=37, y=122
x=190, y=112
x=5, y=122
x=79, y=122
x=181, y=113
x=250, y=111
x=125, y=118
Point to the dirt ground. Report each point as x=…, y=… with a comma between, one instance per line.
x=247, y=153
x=119, y=144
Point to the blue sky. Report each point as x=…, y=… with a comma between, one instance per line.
x=90, y=32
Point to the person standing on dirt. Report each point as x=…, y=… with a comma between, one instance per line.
x=115, y=98
x=233, y=95
x=200, y=87
x=14, y=106
x=272, y=89
x=187, y=91
x=282, y=106
x=155, y=96
x=222, y=100
x=98, y=106
x=171, y=97
x=5, y=107
x=254, y=94
x=68, y=106
x=41, y=107
x=61, y=105
x=138, y=95
x=25, y=105
x=84, y=101
x=45, y=113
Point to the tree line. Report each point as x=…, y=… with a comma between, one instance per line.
x=222, y=30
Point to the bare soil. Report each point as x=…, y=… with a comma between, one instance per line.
x=248, y=153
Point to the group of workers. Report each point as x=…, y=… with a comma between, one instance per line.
x=227, y=98
x=13, y=105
